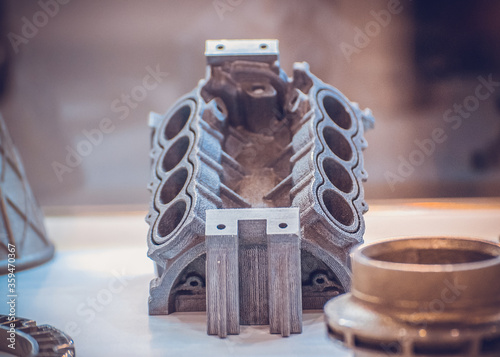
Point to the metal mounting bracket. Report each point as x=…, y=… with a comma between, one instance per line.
x=253, y=270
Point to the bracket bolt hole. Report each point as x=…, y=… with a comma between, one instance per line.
x=320, y=281
x=258, y=89
x=221, y=226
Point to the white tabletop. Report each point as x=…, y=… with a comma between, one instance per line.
x=96, y=287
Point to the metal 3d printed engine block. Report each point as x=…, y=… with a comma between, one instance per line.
x=257, y=194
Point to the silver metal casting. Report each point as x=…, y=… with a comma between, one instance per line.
x=250, y=137
x=253, y=270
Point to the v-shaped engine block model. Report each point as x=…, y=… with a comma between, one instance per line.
x=257, y=194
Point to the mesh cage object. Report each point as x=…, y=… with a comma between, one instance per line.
x=23, y=241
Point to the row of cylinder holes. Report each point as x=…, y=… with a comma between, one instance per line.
x=172, y=217
x=336, y=173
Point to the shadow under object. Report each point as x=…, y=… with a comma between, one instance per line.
x=23, y=241
x=22, y=337
x=250, y=137
x=421, y=297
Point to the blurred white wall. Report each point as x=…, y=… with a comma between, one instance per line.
x=71, y=71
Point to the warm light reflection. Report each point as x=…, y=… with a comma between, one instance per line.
x=454, y=205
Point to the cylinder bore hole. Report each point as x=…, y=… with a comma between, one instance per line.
x=337, y=143
x=173, y=185
x=338, y=175
x=221, y=226
x=336, y=111
x=338, y=207
x=283, y=225
x=171, y=218
x=320, y=279
x=177, y=122
x=194, y=283
x=175, y=154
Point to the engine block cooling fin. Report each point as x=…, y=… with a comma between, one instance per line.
x=248, y=136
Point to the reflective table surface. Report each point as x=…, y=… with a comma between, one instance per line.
x=96, y=288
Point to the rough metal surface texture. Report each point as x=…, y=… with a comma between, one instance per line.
x=28, y=339
x=23, y=241
x=393, y=311
x=253, y=270
x=250, y=137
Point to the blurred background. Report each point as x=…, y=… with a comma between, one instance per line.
x=77, y=109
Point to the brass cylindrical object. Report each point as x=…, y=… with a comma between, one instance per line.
x=421, y=297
